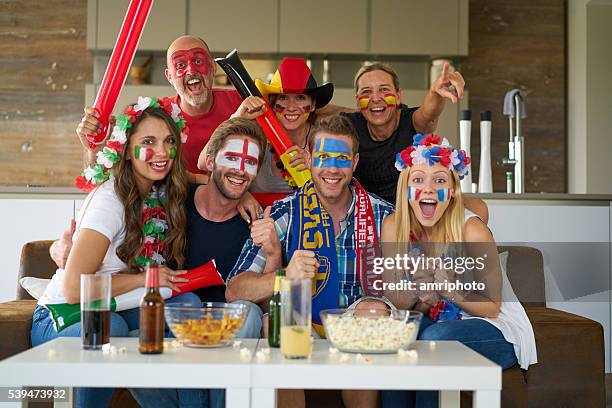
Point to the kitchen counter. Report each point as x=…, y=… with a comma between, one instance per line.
x=542, y=196
x=41, y=192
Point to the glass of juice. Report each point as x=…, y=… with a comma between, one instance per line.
x=296, y=314
x=95, y=311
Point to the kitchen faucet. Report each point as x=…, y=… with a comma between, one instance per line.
x=514, y=107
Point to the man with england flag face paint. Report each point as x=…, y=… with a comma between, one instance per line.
x=235, y=166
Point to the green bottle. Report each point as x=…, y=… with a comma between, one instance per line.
x=274, y=316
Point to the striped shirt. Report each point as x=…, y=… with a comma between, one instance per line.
x=253, y=258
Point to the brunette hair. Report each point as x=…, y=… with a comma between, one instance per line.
x=376, y=66
x=334, y=125
x=176, y=193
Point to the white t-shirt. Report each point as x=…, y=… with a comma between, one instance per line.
x=512, y=320
x=103, y=212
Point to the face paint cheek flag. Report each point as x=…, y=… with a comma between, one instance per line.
x=242, y=151
x=172, y=152
x=390, y=99
x=143, y=153
x=335, y=152
x=443, y=194
x=414, y=193
x=363, y=102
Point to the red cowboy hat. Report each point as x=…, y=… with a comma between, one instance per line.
x=294, y=77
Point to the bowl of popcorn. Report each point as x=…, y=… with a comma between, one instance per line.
x=205, y=324
x=373, y=330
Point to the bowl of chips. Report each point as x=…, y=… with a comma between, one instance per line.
x=374, y=330
x=205, y=324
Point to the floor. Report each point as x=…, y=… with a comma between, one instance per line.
x=608, y=390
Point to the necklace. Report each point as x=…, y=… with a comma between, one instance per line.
x=154, y=226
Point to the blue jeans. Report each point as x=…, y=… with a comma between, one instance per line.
x=479, y=335
x=199, y=398
x=121, y=323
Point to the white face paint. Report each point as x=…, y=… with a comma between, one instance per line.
x=239, y=154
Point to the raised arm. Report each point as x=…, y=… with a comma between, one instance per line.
x=447, y=86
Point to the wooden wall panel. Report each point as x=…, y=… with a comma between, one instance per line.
x=43, y=70
x=520, y=44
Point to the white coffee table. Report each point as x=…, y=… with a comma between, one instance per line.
x=251, y=382
x=182, y=367
x=449, y=368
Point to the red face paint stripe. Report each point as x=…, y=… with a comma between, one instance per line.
x=244, y=155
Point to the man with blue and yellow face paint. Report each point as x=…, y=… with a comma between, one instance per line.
x=330, y=152
x=319, y=231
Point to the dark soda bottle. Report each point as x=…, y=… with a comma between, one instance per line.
x=151, y=314
x=274, y=313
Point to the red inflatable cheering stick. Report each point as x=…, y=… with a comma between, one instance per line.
x=238, y=75
x=200, y=277
x=119, y=64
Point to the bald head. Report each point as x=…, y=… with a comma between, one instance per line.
x=185, y=42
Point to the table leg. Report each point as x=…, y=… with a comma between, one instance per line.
x=66, y=404
x=237, y=398
x=449, y=398
x=487, y=399
x=263, y=398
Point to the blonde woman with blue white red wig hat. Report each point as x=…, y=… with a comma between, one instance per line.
x=430, y=216
x=133, y=215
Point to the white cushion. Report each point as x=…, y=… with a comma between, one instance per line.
x=34, y=286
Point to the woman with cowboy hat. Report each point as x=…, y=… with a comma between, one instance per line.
x=294, y=96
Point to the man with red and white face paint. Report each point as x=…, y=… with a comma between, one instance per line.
x=191, y=71
x=239, y=154
x=235, y=166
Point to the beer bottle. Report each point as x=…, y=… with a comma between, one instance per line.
x=151, y=314
x=274, y=314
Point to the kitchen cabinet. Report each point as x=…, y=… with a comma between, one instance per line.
x=167, y=21
x=323, y=26
x=249, y=26
x=417, y=27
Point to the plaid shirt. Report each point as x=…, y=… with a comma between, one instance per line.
x=253, y=258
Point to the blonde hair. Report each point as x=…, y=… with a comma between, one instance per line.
x=449, y=227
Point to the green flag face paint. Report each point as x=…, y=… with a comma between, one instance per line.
x=143, y=153
x=332, y=153
x=147, y=153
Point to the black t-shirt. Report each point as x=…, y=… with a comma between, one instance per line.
x=376, y=168
x=206, y=240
